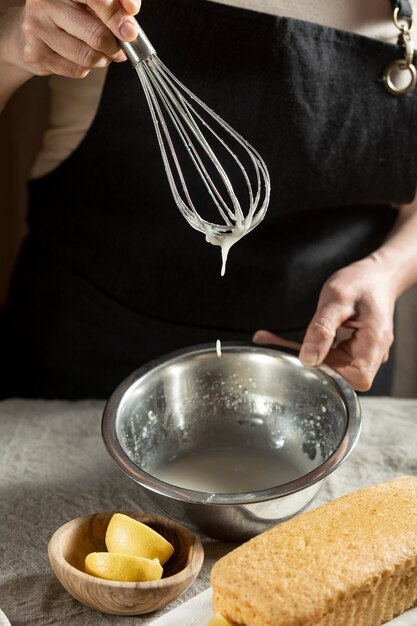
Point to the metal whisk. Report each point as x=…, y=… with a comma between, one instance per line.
x=177, y=112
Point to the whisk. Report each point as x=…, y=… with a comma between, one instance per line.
x=179, y=115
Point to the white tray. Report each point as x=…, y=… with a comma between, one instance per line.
x=3, y=619
x=198, y=611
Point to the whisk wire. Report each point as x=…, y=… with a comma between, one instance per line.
x=175, y=109
x=188, y=112
x=256, y=159
x=159, y=121
x=181, y=118
x=173, y=81
x=190, y=215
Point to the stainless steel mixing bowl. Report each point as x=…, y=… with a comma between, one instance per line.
x=252, y=397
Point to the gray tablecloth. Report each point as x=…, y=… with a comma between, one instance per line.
x=54, y=467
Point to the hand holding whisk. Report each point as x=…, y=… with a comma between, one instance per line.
x=184, y=123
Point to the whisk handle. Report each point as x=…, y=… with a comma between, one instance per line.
x=139, y=49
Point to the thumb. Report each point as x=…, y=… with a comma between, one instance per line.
x=321, y=332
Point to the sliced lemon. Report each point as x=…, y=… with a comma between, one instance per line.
x=122, y=568
x=219, y=620
x=125, y=535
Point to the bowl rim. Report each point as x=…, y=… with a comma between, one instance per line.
x=146, y=480
x=56, y=556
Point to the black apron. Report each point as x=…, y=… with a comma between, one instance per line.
x=112, y=276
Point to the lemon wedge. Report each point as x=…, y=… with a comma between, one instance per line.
x=219, y=620
x=122, y=568
x=127, y=536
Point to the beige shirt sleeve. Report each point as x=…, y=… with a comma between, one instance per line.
x=74, y=103
x=73, y=106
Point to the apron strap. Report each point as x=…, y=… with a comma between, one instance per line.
x=403, y=20
x=404, y=6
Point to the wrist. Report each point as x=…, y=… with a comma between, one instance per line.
x=13, y=73
x=11, y=58
x=398, y=269
x=397, y=256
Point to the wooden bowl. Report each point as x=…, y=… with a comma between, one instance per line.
x=71, y=543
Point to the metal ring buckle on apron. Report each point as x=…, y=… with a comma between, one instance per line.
x=405, y=26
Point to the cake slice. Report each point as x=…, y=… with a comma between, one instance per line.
x=352, y=562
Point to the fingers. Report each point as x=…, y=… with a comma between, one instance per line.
x=43, y=57
x=352, y=328
x=264, y=337
x=359, y=358
x=116, y=16
x=75, y=50
x=79, y=23
x=321, y=334
x=51, y=50
x=333, y=309
x=71, y=37
x=131, y=6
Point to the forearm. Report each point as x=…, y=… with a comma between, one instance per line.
x=399, y=251
x=12, y=75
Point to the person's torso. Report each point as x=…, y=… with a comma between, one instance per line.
x=310, y=98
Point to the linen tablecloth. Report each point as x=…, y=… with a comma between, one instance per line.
x=54, y=467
